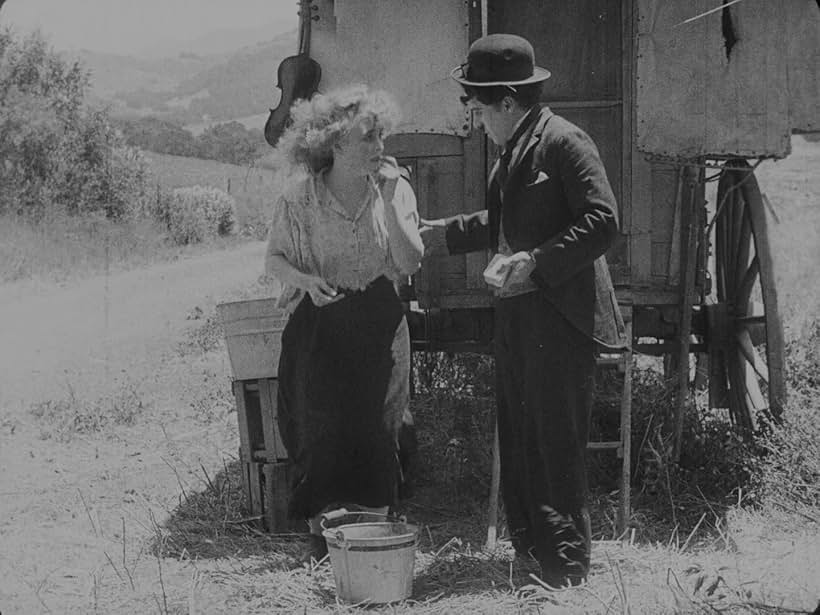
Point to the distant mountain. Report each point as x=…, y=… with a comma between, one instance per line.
x=228, y=40
x=190, y=88
x=112, y=73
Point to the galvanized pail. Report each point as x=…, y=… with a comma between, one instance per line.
x=253, y=335
x=372, y=561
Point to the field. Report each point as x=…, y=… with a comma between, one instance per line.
x=63, y=248
x=251, y=187
x=119, y=476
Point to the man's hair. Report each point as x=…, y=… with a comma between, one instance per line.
x=525, y=95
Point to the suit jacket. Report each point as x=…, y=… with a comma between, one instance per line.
x=558, y=204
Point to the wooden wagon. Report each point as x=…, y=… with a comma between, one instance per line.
x=675, y=94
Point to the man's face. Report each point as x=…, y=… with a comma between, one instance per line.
x=497, y=121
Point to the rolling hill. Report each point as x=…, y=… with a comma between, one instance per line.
x=190, y=88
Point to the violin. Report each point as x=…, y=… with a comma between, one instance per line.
x=298, y=77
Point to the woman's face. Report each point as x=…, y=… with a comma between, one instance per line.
x=361, y=149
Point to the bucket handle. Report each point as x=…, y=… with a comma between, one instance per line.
x=339, y=513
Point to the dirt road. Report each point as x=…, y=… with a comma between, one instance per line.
x=64, y=504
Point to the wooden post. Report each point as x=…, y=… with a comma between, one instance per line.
x=242, y=416
x=626, y=431
x=495, y=483
x=691, y=229
x=268, y=399
x=276, y=490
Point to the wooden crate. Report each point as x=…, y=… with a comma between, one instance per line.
x=267, y=490
x=256, y=409
x=266, y=470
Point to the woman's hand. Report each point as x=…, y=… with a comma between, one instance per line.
x=321, y=293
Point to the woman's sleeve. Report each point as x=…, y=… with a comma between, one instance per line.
x=283, y=240
x=407, y=249
x=283, y=233
x=406, y=206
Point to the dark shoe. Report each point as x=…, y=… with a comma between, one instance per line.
x=317, y=549
x=522, y=543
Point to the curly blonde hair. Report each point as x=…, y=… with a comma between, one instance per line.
x=321, y=122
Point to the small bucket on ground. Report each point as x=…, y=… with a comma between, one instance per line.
x=372, y=560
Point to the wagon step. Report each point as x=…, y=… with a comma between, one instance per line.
x=622, y=361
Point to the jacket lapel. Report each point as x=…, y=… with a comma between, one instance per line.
x=528, y=141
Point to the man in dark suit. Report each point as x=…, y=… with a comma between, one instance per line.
x=551, y=216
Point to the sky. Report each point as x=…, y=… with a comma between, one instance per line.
x=138, y=26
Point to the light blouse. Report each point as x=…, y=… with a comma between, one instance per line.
x=318, y=236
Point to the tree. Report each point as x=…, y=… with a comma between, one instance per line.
x=57, y=151
x=159, y=136
x=230, y=142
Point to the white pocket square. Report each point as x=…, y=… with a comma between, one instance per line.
x=541, y=177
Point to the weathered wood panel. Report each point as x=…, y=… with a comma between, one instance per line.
x=406, y=48
x=440, y=186
x=803, y=44
x=579, y=42
x=720, y=85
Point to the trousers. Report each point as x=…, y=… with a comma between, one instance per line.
x=545, y=371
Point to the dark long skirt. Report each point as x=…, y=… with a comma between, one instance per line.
x=343, y=389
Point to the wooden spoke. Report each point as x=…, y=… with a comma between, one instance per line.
x=742, y=247
x=748, y=351
x=754, y=395
x=751, y=320
x=744, y=282
x=747, y=282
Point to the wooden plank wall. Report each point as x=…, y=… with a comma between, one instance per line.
x=696, y=96
x=803, y=45
x=406, y=48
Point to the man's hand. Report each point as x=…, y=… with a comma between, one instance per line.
x=433, y=234
x=520, y=265
x=321, y=293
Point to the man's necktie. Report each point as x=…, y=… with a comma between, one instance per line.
x=504, y=165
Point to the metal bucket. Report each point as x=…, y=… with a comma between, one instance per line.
x=253, y=335
x=372, y=561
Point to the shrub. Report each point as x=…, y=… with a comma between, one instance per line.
x=159, y=136
x=787, y=473
x=56, y=151
x=230, y=142
x=195, y=213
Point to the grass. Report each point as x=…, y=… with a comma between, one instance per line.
x=732, y=529
x=706, y=538
x=66, y=247
x=62, y=247
x=251, y=187
x=66, y=418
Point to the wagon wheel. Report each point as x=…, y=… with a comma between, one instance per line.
x=746, y=334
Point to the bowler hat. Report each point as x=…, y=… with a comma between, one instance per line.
x=500, y=59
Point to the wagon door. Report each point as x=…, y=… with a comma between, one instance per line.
x=581, y=43
x=409, y=49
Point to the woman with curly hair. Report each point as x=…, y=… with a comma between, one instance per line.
x=344, y=230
